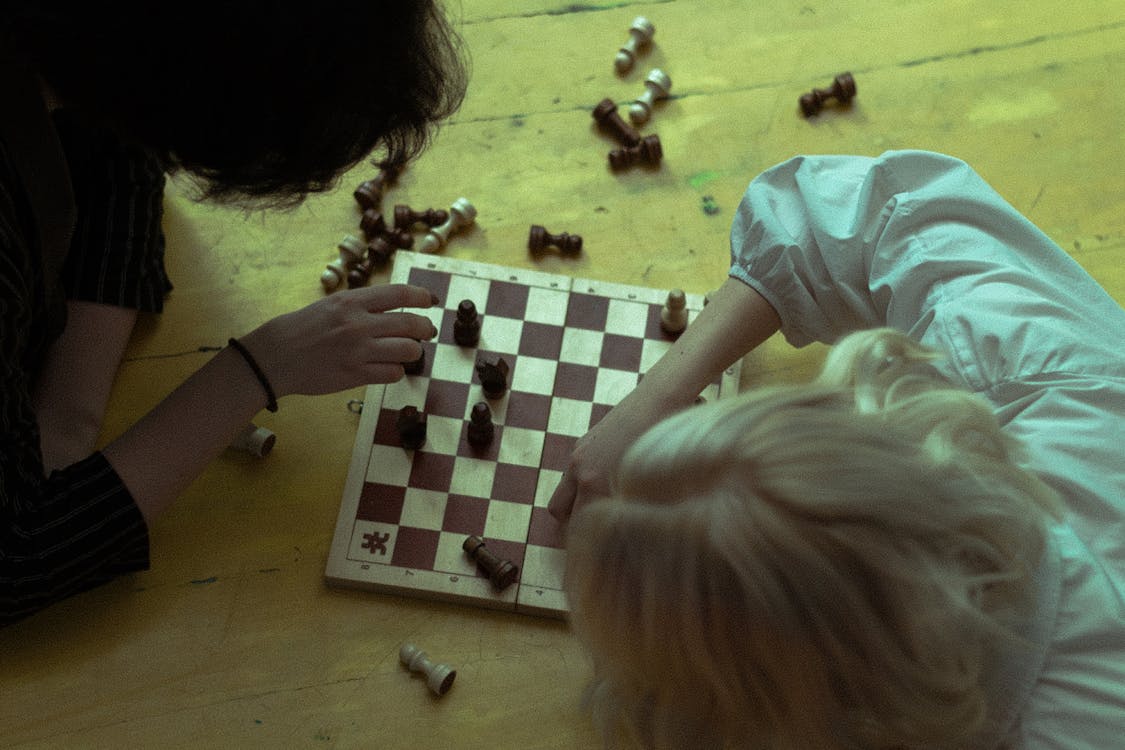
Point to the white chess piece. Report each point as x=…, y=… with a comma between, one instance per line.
x=255, y=440
x=640, y=35
x=657, y=86
x=673, y=318
x=351, y=253
x=461, y=214
x=439, y=677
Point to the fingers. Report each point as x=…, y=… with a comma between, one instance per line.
x=393, y=296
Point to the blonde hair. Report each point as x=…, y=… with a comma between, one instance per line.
x=808, y=566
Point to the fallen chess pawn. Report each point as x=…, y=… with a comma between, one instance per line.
x=842, y=89
x=462, y=214
x=657, y=86
x=439, y=677
x=640, y=37
x=255, y=440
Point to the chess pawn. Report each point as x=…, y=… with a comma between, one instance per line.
x=466, y=326
x=673, y=318
x=439, y=677
x=605, y=114
x=657, y=86
x=351, y=253
x=255, y=440
x=539, y=239
x=406, y=217
x=502, y=573
x=411, y=426
x=461, y=215
x=360, y=273
x=480, y=429
x=640, y=36
x=379, y=251
x=842, y=89
x=369, y=193
x=648, y=152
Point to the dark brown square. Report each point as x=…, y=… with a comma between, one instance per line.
x=445, y=398
x=507, y=300
x=556, y=451
x=436, y=281
x=528, y=410
x=621, y=352
x=597, y=412
x=544, y=530
x=541, y=340
x=415, y=548
x=575, y=381
x=465, y=515
x=587, y=311
x=431, y=471
x=381, y=503
x=515, y=484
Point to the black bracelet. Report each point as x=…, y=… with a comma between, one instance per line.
x=271, y=399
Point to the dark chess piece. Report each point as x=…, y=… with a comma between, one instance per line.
x=501, y=572
x=406, y=217
x=539, y=239
x=417, y=367
x=493, y=377
x=606, y=116
x=648, y=152
x=466, y=326
x=411, y=425
x=481, y=430
x=842, y=90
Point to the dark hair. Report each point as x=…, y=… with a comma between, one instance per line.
x=257, y=99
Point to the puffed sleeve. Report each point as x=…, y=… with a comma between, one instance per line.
x=919, y=242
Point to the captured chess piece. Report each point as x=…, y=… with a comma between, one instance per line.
x=369, y=193
x=466, y=326
x=374, y=226
x=640, y=37
x=480, y=429
x=673, y=318
x=648, y=152
x=502, y=573
x=657, y=86
x=255, y=440
x=411, y=425
x=842, y=90
x=539, y=239
x=439, y=677
x=461, y=215
x=351, y=253
x=605, y=114
x=493, y=377
x=406, y=217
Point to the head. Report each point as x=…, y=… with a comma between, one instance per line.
x=256, y=99
x=809, y=566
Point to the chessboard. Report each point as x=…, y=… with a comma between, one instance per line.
x=575, y=347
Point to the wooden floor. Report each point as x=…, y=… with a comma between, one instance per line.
x=232, y=639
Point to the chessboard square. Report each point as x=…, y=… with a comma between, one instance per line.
x=651, y=352
x=569, y=417
x=587, y=311
x=533, y=375
x=576, y=381
x=628, y=317
x=415, y=548
x=443, y=434
x=372, y=542
x=452, y=558
x=539, y=340
x=472, y=476
x=547, y=306
x=520, y=446
x=465, y=514
x=507, y=300
x=423, y=509
x=470, y=288
x=507, y=521
x=501, y=335
x=446, y=398
x=581, y=347
x=527, y=410
x=598, y=412
x=436, y=281
x=544, y=567
x=380, y=503
x=545, y=530
x=546, y=483
x=557, y=450
x=432, y=471
x=621, y=352
x=614, y=385
x=389, y=464
x=410, y=391
x=515, y=484
x=453, y=363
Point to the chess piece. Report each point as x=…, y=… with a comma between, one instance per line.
x=501, y=572
x=648, y=152
x=439, y=677
x=480, y=429
x=255, y=440
x=360, y=273
x=657, y=86
x=411, y=425
x=466, y=326
x=673, y=318
x=842, y=89
x=379, y=251
x=640, y=36
x=369, y=193
x=406, y=217
x=351, y=253
x=372, y=223
x=493, y=377
x=539, y=239
x=461, y=215
x=605, y=114
x=417, y=367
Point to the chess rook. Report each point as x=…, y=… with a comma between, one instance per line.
x=466, y=326
x=351, y=252
x=673, y=318
x=842, y=90
x=605, y=114
x=480, y=429
x=539, y=240
x=411, y=425
x=406, y=217
x=640, y=37
x=647, y=152
x=439, y=677
x=657, y=86
x=461, y=215
x=255, y=440
x=501, y=572
x=493, y=377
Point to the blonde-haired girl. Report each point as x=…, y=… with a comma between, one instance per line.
x=925, y=547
